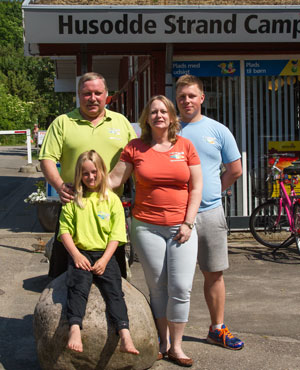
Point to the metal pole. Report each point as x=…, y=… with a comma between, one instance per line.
x=244, y=141
x=168, y=75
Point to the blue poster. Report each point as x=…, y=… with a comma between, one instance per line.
x=272, y=67
x=207, y=68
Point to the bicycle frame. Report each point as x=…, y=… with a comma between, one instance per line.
x=287, y=202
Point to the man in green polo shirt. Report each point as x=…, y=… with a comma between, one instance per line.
x=90, y=126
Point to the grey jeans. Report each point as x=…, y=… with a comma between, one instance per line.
x=168, y=266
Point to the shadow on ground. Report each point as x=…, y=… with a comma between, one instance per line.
x=18, y=353
x=288, y=255
x=36, y=284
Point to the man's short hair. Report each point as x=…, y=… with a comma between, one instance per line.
x=187, y=80
x=89, y=76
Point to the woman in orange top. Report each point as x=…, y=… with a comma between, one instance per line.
x=168, y=194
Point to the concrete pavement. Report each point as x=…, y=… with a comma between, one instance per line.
x=262, y=293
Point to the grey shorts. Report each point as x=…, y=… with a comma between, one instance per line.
x=212, y=240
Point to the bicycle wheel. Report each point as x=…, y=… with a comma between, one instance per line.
x=297, y=224
x=269, y=229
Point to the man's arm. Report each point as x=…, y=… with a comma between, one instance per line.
x=52, y=175
x=232, y=173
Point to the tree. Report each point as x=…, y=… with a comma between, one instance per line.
x=11, y=28
x=27, y=82
x=14, y=111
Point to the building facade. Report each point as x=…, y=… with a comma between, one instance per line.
x=247, y=53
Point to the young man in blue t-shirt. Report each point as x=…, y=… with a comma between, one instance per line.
x=215, y=145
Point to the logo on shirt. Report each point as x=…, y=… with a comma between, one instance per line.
x=116, y=132
x=103, y=216
x=210, y=140
x=177, y=156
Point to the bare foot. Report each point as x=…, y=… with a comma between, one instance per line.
x=74, y=342
x=127, y=343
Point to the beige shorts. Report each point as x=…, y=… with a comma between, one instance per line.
x=212, y=240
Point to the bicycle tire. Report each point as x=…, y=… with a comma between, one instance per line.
x=297, y=224
x=264, y=228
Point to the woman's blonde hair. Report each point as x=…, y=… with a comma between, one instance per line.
x=174, y=127
x=79, y=187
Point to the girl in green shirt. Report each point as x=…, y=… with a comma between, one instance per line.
x=91, y=228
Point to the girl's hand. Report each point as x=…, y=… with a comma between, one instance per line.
x=81, y=262
x=99, y=267
x=183, y=234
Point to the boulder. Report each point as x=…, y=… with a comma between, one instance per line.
x=100, y=341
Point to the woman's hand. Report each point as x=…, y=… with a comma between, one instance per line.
x=183, y=234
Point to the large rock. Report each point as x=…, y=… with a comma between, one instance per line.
x=100, y=342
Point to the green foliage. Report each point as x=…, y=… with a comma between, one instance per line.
x=26, y=83
x=13, y=109
x=11, y=29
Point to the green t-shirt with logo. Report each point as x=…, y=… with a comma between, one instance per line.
x=93, y=226
x=70, y=134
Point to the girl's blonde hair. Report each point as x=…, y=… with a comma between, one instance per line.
x=174, y=127
x=79, y=187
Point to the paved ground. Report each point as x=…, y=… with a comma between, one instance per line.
x=262, y=297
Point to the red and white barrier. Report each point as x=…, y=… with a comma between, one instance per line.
x=28, y=140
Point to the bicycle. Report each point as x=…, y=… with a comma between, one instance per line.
x=276, y=222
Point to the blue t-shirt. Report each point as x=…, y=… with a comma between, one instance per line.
x=215, y=145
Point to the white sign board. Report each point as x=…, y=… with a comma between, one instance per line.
x=104, y=24
x=40, y=137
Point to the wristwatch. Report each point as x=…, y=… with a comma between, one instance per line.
x=189, y=224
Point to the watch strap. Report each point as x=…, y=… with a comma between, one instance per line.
x=190, y=225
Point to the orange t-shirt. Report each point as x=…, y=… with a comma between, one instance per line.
x=161, y=180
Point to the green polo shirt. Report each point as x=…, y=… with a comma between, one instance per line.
x=70, y=134
x=93, y=226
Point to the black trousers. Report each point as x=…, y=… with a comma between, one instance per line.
x=110, y=284
x=59, y=258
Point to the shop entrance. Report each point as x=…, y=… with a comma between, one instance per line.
x=259, y=101
x=272, y=106
x=272, y=114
